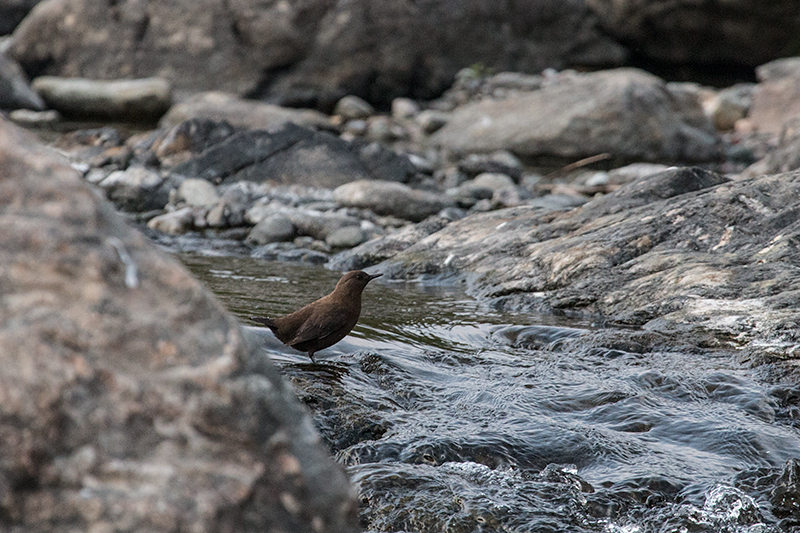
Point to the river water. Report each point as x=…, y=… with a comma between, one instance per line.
x=453, y=417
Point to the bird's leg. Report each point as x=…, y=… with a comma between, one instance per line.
x=311, y=355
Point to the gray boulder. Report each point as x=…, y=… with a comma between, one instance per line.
x=625, y=112
x=294, y=155
x=391, y=198
x=136, y=100
x=197, y=192
x=132, y=399
x=313, y=52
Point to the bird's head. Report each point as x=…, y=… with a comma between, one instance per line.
x=355, y=281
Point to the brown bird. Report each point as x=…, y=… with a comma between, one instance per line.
x=325, y=322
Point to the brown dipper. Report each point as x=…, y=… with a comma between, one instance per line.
x=325, y=322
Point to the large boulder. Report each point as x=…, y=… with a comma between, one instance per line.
x=308, y=51
x=626, y=113
x=678, y=251
x=129, y=398
x=295, y=155
x=737, y=32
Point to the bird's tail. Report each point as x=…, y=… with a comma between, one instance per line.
x=264, y=321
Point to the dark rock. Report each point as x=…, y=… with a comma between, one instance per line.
x=241, y=113
x=391, y=198
x=15, y=92
x=678, y=251
x=133, y=397
x=738, y=32
x=785, y=495
x=313, y=52
x=293, y=155
x=626, y=113
x=141, y=100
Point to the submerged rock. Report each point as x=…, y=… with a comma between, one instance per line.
x=130, y=395
x=625, y=112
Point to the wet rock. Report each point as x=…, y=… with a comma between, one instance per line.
x=739, y=32
x=346, y=237
x=15, y=92
x=241, y=113
x=352, y=107
x=175, y=222
x=309, y=54
x=136, y=189
x=135, y=399
x=684, y=250
x=137, y=100
x=197, y=192
x=293, y=155
x=275, y=228
x=625, y=112
x=785, y=495
x=391, y=198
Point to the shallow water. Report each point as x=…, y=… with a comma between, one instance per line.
x=451, y=416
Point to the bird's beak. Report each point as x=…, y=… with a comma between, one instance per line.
x=373, y=276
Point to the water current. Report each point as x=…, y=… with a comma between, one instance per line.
x=453, y=417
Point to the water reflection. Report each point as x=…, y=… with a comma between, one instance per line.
x=455, y=417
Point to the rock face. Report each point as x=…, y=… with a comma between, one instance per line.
x=128, y=396
x=681, y=248
x=736, y=31
x=294, y=155
x=311, y=51
x=625, y=112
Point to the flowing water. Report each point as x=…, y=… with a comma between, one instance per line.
x=453, y=417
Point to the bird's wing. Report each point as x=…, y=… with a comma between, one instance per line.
x=319, y=325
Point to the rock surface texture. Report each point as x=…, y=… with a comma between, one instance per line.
x=626, y=113
x=311, y=51
x=129, y=399
x=684, y=248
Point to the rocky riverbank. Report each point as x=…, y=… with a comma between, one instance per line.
x=548, y=192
